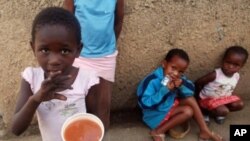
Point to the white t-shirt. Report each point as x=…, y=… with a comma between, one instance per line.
x=52, y=114
x=221, y=86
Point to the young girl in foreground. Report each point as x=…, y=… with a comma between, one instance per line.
x=55, y=90
x=160, y=93
x=216, y=89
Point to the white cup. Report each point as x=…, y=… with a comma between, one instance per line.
x=80, y=116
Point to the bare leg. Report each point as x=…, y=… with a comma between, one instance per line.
x=220, y=111
x=205, y=132
x=235, y=106
x=179, y=115
x=98, y=101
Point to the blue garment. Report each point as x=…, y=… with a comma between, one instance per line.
x=96, y=18
x=156, y=100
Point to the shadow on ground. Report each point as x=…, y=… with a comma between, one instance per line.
x=126, y=125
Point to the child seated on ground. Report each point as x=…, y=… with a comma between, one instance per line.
x=216, y=89
x=166, y=98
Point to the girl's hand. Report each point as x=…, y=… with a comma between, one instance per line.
x=50, y=86
x=177, y=82
x=171, y=85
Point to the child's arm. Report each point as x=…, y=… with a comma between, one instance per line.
x=201, y=82
x=28, y=103
x=152, y=96
x=119, y=14
x=69, y=5
x=25, y=109
x=186, y=88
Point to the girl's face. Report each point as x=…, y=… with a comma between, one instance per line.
x=55, y=48
x=175, y=67
x=232, y=63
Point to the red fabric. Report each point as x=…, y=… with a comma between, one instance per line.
x=176, y=103
x=212, y=103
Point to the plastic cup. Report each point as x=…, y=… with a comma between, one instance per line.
x=80, y=117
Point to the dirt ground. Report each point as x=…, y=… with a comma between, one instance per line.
x=127, y=126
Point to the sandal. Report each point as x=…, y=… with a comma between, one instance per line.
x=161, y=136
x=211, y=138
x=219, y=119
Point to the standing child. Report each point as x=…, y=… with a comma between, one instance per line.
x=161, y=91
x=216, y=89
x=101, y=24
x=56, y=90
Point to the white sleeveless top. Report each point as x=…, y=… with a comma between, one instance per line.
x=221, y=86
x=52, y=114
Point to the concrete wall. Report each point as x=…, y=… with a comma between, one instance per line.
x=204, y=28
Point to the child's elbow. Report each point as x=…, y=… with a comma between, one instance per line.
x=16, y=131
x=197, y=84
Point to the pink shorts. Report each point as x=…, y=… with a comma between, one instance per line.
x=212, y=103
x=104, y=66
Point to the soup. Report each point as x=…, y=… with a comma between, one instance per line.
x=83, y=130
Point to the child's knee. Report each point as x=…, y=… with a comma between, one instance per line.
x=241, y=105
x=237, y=105
x=188, y=111
x=222, y=111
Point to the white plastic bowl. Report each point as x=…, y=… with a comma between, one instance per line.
x=80, y=116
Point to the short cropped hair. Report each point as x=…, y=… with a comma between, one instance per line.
x=56, y=16
x=179, y=52
x=238, y=50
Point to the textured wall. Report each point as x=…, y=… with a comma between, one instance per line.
x=15, y=22
x=204, y=28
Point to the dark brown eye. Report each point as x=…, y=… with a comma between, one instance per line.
x=44, y=50
x=65, y=51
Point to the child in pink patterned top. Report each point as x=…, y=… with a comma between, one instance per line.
x=55, y=90
x=216, y=89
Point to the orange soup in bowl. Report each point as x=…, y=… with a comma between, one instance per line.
x=83, y=130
